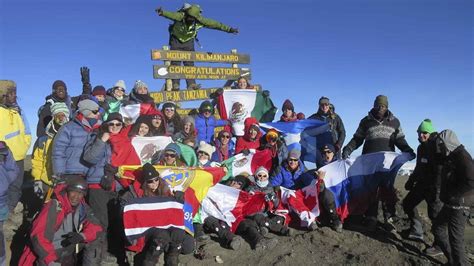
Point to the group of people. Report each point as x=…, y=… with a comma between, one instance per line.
x=82, y=141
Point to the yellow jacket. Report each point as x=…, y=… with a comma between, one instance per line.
x=41, y=167
x=15, y=131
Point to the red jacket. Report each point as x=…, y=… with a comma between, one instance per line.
x=49, y=222
x=244, y=142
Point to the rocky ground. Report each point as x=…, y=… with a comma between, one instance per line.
x=323, y=246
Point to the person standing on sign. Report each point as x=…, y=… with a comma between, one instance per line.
x=183, y=32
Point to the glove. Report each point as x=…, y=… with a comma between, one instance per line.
x=179, y=196
x=246, y=152
x=270, y=196
x=38, y=189
x=321, y=185
x=85, y=77
x=337, y=147
x=266, y=93
x=345, y=154
x=110, y=170
x=159, y=10
x=106, y=183
x=234, y=30
x=409, y=184
x=71, y=238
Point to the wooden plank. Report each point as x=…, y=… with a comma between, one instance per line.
x=209, y=57
x=187, y=95
x=199, y=72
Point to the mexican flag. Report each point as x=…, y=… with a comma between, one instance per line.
x=240, y=163
x=231, y=205
x=131, y=112
x=146, y=147
x=236, y=105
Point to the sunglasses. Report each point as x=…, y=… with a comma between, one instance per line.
x=292, y=160
x=111, y=124
x=225, y=136
x=272, y=139
x=424, y=132
x=327, y=151
x=157, y=117
x=202, y=153
x=206, y=110
x=172, y=155
x=149, y=181
x=169, y=109
x=262, y=175
x=95, y=111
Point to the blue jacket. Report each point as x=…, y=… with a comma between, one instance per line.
x=68, y=146
x=285, y=178
x=96, y=155
x=217, y=156
x=8, y=173
x=205, y=127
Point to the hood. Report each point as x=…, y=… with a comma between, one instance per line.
x=250, y=121
x=60, y=194
x=448, y=141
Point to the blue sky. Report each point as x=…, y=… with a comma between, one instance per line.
x=417, y=52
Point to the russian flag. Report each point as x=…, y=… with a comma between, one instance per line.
x=354, y=182
x=305, y=135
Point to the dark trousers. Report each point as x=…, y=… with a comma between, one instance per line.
x=14, y=190
x=171, y=240
x=448, y=229
x=101, y=202
x=388, y=196
x=175, y=44
x=328, y=206
x=275, y=223
x=220, y=228
x=415, y=197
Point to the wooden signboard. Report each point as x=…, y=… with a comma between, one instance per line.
x=182, y=95
x=199, y=72
x=173, y=55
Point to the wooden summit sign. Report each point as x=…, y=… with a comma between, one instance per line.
x=186, y=95
x=174, y=55
x=199, y=72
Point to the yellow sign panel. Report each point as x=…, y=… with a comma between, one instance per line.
x=194, y=72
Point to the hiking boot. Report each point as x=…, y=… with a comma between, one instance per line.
x=433, y=252
x=389, y=225
x=266, y=243
x=263, y=230
x=337, y=226
x=203, y=238
x=286, y=231
x=415, y=236
x=235, y=243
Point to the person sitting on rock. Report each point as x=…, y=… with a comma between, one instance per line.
x=247, y=228
x=64, y=226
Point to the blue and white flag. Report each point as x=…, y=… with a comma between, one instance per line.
x=356, y=182
x=305, y=135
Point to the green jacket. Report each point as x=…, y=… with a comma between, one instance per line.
x=184, y=32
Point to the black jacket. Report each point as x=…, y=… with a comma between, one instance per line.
x=335, y=124
x=424, y=174
x=378, y=135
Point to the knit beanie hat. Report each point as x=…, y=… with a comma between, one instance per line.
x=114, y=116
x=426, y=126
x=168, y=105
x=75, y=182
x=324, y=100
x=139, y=84
x=287, y=105
x=300, y=116
x=243, y=180
x=261, y=169
x=120, y=84
x=149, y=172
x=294, y=153
x=188, y=119
x=86, y=107
x=328, y=147
x=207, y=148
x=57, y=84
x=206, y=106
x=271, y=134
x=98, y=90
x=6, y=85
x=381, y=100
x=59, y=107
x=173, y=147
